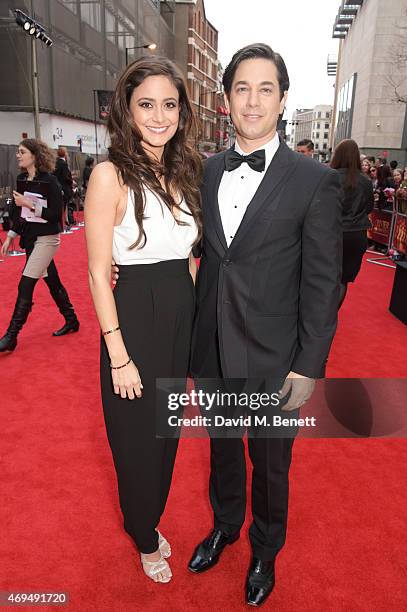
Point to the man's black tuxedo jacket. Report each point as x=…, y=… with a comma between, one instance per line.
x=270, y=300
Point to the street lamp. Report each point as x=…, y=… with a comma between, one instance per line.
x=151, y=46
x=36, y=31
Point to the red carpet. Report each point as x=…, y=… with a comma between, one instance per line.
x=60, y=522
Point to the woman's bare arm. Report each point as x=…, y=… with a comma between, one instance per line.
x=103, y=198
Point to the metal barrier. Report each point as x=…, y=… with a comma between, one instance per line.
x=389, y=229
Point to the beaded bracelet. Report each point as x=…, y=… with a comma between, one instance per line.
x=110, y=331
x=122, y=366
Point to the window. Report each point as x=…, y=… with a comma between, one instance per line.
x=318, y=126
x=324, y=146
x=316, y=146
x=71, y=5
x=344, y=116
x=319, y=115
x=325, y=135
x=327, y=126
x=90, y=14
x=317, y=135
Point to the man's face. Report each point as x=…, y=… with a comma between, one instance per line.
x=305, y=150
x=254, y=102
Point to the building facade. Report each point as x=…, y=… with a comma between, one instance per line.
x=197, y=56
x=301, y=126
x=313, y=124
x=91, y=41
x=321, y=126
x=371, y=34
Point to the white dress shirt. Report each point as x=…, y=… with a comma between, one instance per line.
x=237, y=188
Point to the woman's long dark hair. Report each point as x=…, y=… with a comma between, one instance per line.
x=347, y=155
x=181, y=166
x=44, y=157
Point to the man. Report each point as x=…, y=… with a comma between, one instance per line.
x=87, y=171
x=64, y=177
x=267, y=294
x=306, y=147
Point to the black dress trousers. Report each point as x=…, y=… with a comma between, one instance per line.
x=155, y=306
x=271, y=459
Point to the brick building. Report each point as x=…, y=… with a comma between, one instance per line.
x=197, y=55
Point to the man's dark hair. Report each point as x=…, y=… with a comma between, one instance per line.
x=256, y=51
x=89, y=161
x=394, y=164
x=306, y=143
x=371, y=158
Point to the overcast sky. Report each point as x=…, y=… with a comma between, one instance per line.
x=300, y=30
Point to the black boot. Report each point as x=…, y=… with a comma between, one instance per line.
x=21, y=311
x=66, y=309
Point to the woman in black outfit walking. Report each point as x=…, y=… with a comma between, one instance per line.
x=357, y=205
x=39, y=239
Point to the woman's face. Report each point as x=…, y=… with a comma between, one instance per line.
x=155, y=108
x=25, y=158
x=373, y=172
x=397, y=177
x=365, y=166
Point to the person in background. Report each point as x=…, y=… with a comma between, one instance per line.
x=306, y=147
x=366, y=166
x=64, y=176
x=40, y=241
x=357, y=205
x=393, y=165
x=87, y=171
x=397, y=177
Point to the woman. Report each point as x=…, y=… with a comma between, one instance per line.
x=397, y=178
x=143, y=208
x=366, y=166
x=39, y=239
x=401, y=193
x=357, y=205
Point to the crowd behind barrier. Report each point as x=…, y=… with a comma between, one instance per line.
x=389, y=224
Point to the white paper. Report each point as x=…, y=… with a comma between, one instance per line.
x=28, y=214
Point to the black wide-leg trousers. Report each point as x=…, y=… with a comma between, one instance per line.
x=271, y=459
x=155, y=306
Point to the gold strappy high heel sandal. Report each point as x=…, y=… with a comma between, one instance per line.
x=159, y=571
x=164, y=546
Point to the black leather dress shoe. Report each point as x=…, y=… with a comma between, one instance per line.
x=207, y=553
x=260, y=581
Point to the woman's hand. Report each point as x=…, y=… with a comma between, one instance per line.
x=22, y=201
x=6, y=245
x=127, y=381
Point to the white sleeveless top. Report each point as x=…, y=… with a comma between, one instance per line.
x=165, y=238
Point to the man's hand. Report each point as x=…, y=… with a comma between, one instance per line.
x=301, y=389
x=114, y=272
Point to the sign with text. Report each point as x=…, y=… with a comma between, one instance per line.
x=104, y=98
x=400, y=234
x=381, y=226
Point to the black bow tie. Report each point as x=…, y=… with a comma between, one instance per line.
x=256, y=160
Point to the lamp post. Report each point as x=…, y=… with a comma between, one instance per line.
x=151, y=46
x=37, y=31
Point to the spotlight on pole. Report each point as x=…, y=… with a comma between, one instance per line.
x=32, y=27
